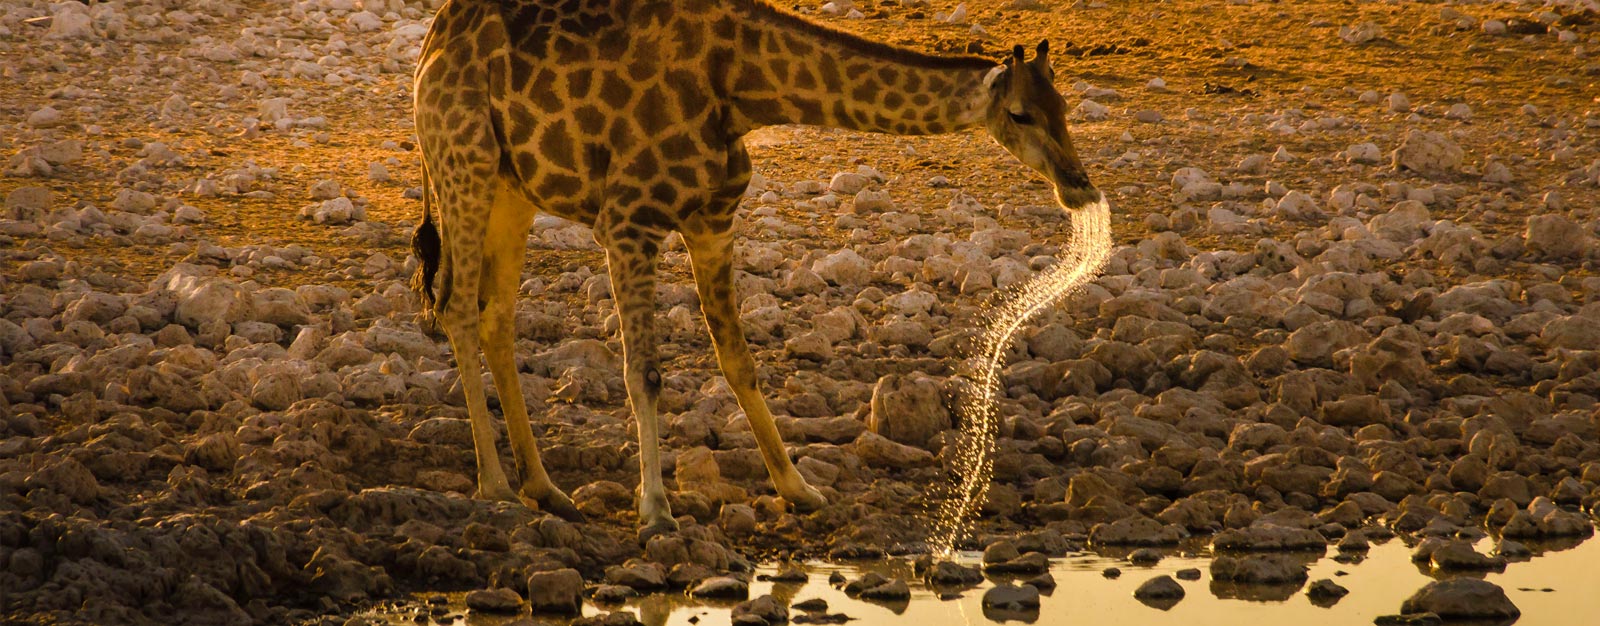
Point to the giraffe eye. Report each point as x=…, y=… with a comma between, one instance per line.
x=1021, y=118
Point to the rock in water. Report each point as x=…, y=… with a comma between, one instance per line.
x=766, y=607
x=721, y=587
x=494, y=600
x=1011, y=597
x=1159, y=588
x=1264, y=569
x=559, y=591
x=1467, y=598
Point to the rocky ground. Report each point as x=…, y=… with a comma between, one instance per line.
x=1355, y=288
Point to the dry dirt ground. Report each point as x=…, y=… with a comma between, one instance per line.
x=1355, y=285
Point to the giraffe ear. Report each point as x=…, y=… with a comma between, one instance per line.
x=1041, y=55
x=1018, y=53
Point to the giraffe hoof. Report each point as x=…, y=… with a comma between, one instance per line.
x=504, y=494
x=558, y=504
x=808, y=500
x=659, y=527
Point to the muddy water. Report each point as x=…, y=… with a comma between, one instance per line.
x=1560, y=585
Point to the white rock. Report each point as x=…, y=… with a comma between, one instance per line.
x=1091, y=111
x=365, y=21
x=1398, y=102
x=1363, y=153
x=44, y=118
x=1428, y=153
x=1555, y=237
x=71, y=24
x=1187, y=175
x=1496, y=172
x=1360, y=33
x=844, y=268
x=848, y=183
x=873, y=201
x=1298, y=205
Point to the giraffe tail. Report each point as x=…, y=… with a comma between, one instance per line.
x=426, y=245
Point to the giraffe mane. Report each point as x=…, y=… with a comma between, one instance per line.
x=761, y=10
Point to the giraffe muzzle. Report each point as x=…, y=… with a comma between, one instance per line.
x=1075, y=197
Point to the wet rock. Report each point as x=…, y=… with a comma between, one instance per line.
x=1188, y=573
x=766, y=607
x=1268, y=536
x=1459, y=555
x=500, y=600
x=1162, y=592
x=1136, y=531
x=639, y=575
x=559, y=591
x=1466, y=598
x=721, y=588
x=613, y=594
x=1258, y=569
x=908, y=409
x=894, y=590
x=1326, y=592
x=948, y=573
x=615, y=618
x=1030, y=563
x=1006, y=596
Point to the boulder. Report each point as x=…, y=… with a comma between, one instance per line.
x=1465, y=598
x=559, y=591
x=908, y=409
x=1428, y=153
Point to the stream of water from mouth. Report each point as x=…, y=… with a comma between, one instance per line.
x=973, y=460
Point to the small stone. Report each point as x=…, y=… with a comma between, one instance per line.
x=1399, y=103
x=1148, y=116
x=1159, y=588
x=1326, y=590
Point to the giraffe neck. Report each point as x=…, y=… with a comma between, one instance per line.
x=787, y=70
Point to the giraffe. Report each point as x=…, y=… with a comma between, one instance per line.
x=628, y=116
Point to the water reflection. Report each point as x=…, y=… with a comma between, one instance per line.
x=1552, y=583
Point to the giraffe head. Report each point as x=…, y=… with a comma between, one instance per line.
x=1029, y=117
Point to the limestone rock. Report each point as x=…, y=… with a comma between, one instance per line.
x=1428, y=153
x=908, y=409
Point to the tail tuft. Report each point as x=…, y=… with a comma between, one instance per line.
x=425, y=244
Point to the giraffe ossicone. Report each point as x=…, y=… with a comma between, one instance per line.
x=629, y=117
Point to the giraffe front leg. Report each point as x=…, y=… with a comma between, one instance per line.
x=503, y=251
x=711, y=254
x=633, y=288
